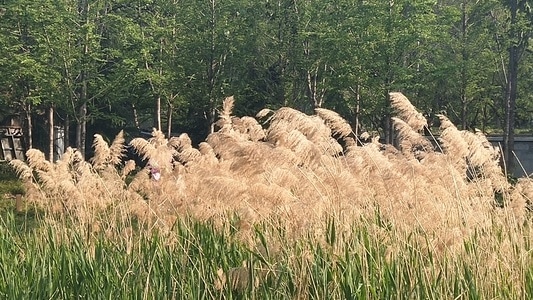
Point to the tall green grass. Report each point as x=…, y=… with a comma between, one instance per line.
x=195, y=260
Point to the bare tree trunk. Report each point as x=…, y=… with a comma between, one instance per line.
x=313, y=92
x=211, y=120
x=510, y=108
x=82, y=111
x=29, y=125
x=157, y=116
x=464, y=63
x=388, y=127
x=214, y=68
x=511, y=89
x=135, y=116
x=160, y=71
x=51, y=133
x=279, y=69
x=158, y=113
x=357, y=109
x=67, y=130
x=170, y=110
x=81, y=130
x=211, y=69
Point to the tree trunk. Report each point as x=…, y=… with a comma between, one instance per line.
x=211, y=69
x=29, y=126
x=82, y=111
x=170, y=110
x=510, y=108
x=315, y=94
x=67, y=131
x=357, y=109
x=511, y=91
x=158, y=112
x=81, y=130
x=51, y=133
x=158, y=100
x=388, y=127
x=135, y=116
x=464, y=65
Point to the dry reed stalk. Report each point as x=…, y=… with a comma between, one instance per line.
x=226, y=145
x=129, y=166
x=293, y=171
x=71, y=189
x=117, y=149
x=209, y=157
x=521, y=199
x=249, y=127
x=412, y=143
x=142, y=147
x=105, y=155
x=287, y=119
x=102, y=152
x=23, y=171
x=453, y=144
x=407, y=112
x=338, y=125
x=224, y=122
x=37, y=161
x=185, y=151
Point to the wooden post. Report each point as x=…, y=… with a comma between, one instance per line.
x=19, y=203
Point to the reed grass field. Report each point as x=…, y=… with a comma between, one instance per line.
x=283, y=205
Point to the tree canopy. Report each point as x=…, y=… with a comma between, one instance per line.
x=104, y=65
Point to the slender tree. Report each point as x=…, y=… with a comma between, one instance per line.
x=520, y=17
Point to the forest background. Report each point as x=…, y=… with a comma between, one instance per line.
x=98, y=66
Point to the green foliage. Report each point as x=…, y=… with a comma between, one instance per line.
x=343, y=55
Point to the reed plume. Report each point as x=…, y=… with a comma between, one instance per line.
x=286, y=119
x=117, y=149
x=185, y=151
x=289, y=167
x=102, y=152
x=23, y=171
x=451, y=139
x=407, y=112
x=224, y=121
x=412, y=143
x=129, y=166
x=249, y=127
x=336, y=123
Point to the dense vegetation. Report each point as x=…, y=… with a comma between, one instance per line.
x=168, y=64
x=295, y=208
x=294, y=202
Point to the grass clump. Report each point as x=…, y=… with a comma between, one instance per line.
x=284, y=205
